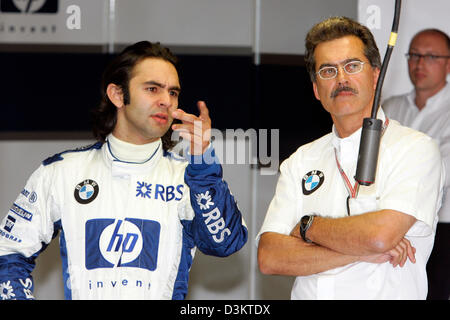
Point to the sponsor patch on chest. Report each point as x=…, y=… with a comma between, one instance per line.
x=158, y=191
x=86, y=191
x=312, y=181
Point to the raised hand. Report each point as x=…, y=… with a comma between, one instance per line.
x=195, y=129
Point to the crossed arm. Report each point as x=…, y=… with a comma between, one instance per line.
x=375, y=237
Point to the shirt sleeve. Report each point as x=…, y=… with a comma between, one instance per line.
x=25, y=232
x=283, y=213
x=414, y=182
x=444, y=147
x=217, y=227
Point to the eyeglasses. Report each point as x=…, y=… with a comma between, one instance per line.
x=330, y=72
x=428, y=58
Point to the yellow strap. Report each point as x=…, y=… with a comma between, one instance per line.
x=392, y=39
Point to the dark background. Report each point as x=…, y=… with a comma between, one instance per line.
x=54, y=92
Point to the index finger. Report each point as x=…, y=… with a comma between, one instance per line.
x=184, y=116
x=204, y=112
x=411, y=253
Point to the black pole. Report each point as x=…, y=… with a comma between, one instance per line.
x=371, y=129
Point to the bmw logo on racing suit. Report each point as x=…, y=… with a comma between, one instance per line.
x=86, y=191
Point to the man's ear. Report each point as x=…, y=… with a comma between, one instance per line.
x=316, y=92
x=115, y=94
x=376, y=75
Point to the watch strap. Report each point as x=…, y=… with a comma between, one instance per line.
x=305, y=224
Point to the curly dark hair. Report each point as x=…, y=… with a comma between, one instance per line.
x=334, y=28
x=119, y=72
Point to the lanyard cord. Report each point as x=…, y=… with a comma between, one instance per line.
x=353, y=190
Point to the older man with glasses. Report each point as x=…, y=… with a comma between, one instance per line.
x=342, y=241
x=427, y=109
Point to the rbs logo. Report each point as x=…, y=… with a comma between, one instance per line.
x=122, y=243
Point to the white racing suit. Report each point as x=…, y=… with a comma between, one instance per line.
x=127, y=230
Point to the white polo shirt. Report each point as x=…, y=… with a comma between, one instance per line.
x=408, y=179
x=434, y=120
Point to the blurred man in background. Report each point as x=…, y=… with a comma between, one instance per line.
x=427, y=108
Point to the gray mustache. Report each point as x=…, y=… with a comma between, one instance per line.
x=341, y=89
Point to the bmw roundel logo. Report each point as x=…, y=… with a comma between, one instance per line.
x=86, y=191
x=312, y=181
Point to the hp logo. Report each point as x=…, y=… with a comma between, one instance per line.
x=122, y=243
x=120, y=248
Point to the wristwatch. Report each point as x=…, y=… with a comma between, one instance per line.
x=305, y=223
